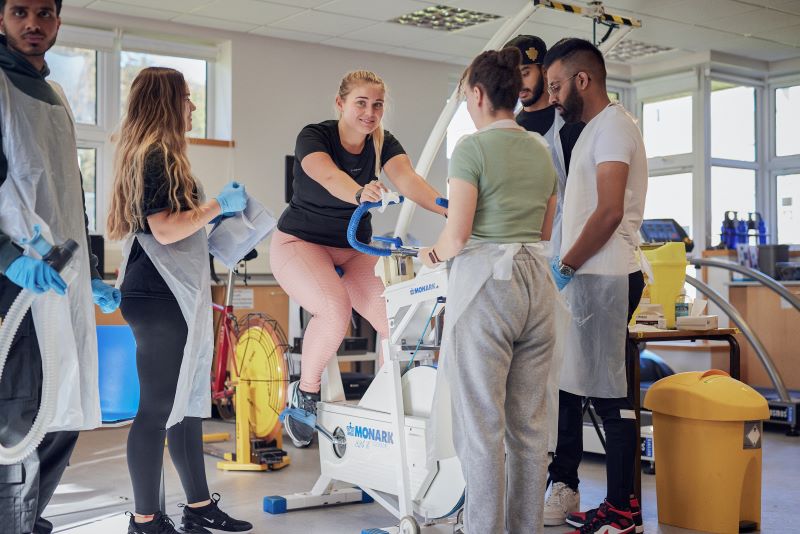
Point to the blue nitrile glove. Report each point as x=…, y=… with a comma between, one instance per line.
x=232, y=199
x=105, y=296
x=560, y=279
x=35, y=275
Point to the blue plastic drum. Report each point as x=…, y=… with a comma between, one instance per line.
x=119, y=381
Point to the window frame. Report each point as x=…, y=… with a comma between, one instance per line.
x=778, y=165
x=108, y=45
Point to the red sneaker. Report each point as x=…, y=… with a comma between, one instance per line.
x=578, y=519
x=606, y=520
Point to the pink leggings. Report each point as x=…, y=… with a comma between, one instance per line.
x=307, y=273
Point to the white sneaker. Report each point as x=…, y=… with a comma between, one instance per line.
x=562, y=501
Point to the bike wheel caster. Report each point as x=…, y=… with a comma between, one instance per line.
x=408, y=525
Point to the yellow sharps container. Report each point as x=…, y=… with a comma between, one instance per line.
x=668, y=262
x=707, y=441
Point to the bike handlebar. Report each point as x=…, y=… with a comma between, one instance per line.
x=355, y=220
x=352, y=229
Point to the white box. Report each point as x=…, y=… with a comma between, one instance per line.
x=697, y=322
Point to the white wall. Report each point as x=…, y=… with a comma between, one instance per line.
x=278, y=86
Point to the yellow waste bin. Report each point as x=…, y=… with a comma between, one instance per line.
x=707, y=437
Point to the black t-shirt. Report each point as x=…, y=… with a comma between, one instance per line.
x=540, y=122
x=142, y=279
x=313, y=214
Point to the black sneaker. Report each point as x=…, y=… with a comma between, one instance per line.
x=198, y=520
x=160, y=524
x=298, y=430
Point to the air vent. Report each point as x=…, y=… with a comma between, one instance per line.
x=444, y=18
x=629, y=50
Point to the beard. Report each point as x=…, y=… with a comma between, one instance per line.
x=22, y=47
x=536, y=93
x=571, y=108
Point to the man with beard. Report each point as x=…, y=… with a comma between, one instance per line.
x=40, y=183
x=538, y=115
x=601, y=280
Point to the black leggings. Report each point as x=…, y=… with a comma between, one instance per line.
x=160, y=332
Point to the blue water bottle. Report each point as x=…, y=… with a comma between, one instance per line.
x=728, y=236
x=741, y=232
x=762, y=230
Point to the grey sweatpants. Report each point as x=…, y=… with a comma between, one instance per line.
x=498, y=373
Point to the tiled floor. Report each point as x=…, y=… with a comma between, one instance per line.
x=98, y=475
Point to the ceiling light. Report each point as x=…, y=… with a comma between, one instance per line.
x=444, y=18
x=629, y=50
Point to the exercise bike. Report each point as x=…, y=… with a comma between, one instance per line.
x=382, y=446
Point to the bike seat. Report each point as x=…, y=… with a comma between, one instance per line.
x=253, y=254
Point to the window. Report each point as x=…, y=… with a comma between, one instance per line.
x=75, y=69
x=733, y=122
x=194, y=71
x=787, y=111
x=670, y=197
x=460, y=125
x=667, y=126
x=87, y=160
x=788, y=209
x=731, y=190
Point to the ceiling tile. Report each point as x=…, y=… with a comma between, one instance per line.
x=391, y=34
x=789, y=36
x=757, y=49
x=693, y=12
x=418, y=54
x=451, y=44
x=179, y=6
x=132, y=11
x=355, y=45
x=641, y=7
x=483, y=31
x=307, y=4
x=249, y=11
x=323, y=23
x=380, y=10
x=279, y=33
x=218, y=24
x=754, y=22
x=495, y=7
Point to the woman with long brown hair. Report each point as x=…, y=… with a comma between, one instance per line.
x=337, y=165
x=159, y=209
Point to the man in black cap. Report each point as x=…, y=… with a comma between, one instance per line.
x=537, y=115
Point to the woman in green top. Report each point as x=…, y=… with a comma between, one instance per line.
x=499, y=334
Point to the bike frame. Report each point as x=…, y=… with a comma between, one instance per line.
x=226, y=341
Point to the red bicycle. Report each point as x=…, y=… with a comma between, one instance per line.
x=253, y=350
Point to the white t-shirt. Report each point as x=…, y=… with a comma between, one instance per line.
x=612, y=135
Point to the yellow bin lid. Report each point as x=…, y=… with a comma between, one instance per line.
x=709, y=396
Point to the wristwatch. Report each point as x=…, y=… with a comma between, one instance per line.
x=565, y=269
x=358, y=195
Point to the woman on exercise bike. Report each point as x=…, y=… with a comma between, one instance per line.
x=159, y=208
x=337, y=165
x=499, y=328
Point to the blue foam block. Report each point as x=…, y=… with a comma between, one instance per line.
x=119, y=380
x=275, y=504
